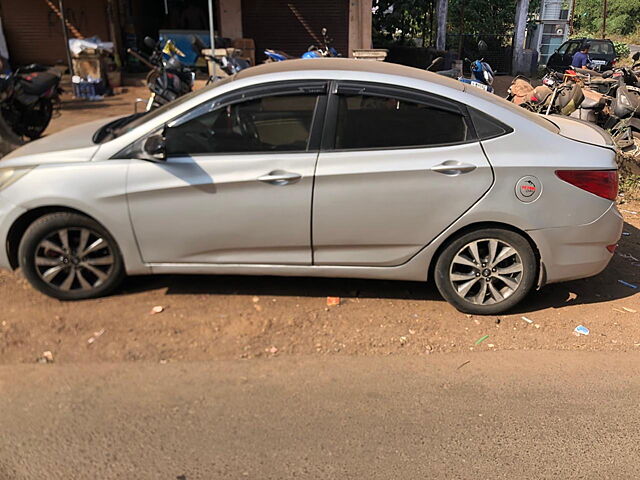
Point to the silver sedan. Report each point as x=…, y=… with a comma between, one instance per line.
x=327, y=167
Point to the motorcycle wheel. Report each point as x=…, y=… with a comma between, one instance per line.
x=38, y=118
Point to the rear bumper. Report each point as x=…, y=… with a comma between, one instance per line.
x=569, y=253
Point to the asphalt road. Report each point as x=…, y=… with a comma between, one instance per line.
x=501, y=415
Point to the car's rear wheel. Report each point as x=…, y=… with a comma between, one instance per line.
x=70, y=257
x=487, y=271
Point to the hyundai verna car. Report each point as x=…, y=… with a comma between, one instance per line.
x=331, y=167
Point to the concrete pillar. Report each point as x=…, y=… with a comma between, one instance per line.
x=230, y=18
x=360, y=19
x=441, y=15
x=522, y=9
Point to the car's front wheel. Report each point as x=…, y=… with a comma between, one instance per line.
x=487, y=271
x=70, y=257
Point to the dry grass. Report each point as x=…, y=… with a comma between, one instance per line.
x=629, y=170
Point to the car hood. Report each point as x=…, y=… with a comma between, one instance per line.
x=581, y=131
x=74, y=144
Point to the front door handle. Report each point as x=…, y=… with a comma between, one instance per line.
x=453, y=168
x=280, y=177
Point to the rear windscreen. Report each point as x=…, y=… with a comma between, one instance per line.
x=604, y=48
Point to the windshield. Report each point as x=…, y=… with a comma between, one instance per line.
x=124, y=125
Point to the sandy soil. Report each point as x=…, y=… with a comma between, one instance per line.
x=242, y=317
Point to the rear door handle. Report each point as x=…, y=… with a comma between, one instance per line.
x=453, y=168
x=280, y=177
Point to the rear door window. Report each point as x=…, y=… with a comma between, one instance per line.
x=379, y=120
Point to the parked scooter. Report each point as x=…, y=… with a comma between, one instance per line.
x=169, y=78
x=28, y=96
x=481, y=73
x=325, y=50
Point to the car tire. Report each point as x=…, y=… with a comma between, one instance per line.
x=486, y=272
x=70, y=257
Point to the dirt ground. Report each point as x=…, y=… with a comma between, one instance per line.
x=243, y=317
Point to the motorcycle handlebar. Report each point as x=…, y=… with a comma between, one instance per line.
x=141, y=58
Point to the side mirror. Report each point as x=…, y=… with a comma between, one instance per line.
x=636, y=56
x=153, y=147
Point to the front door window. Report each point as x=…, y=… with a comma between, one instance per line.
x=268, y=124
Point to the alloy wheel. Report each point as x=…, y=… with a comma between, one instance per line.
x=74, y=259
x=486, y=271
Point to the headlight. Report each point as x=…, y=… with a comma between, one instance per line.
x=10, y=175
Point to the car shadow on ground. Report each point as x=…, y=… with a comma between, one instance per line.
x=604, y=287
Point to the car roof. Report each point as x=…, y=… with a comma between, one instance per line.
x=348, y=65
x=590, y=40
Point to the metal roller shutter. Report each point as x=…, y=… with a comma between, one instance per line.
x=286, y=24
x=34, y=32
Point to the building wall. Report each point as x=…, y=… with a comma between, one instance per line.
x=359, y=25
x=230, y=18
x=34, y=32
x=293, y=25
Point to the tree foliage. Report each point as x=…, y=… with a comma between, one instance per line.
x=400, y=21
x=622, y=16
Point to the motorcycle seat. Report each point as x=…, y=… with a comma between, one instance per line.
x=521, y=90
x=586, y=71
x=603, y=80
x=37, y=83
x=33, y=67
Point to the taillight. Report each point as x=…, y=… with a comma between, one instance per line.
x=603, y=183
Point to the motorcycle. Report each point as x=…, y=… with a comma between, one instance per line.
x=624, y=121
x=554, y=97
x=568, y=94
x=28, y=96
x=612, y=101
x=169, y=78
x=325, y=50
x=481, y=73
x=230, y=63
